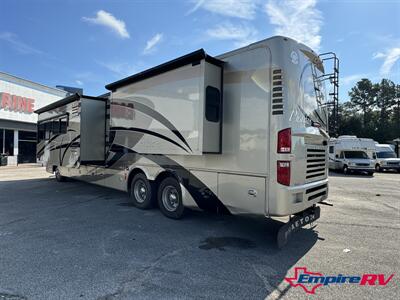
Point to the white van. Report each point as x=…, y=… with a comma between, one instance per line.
x=386, y=158
x=348, y=153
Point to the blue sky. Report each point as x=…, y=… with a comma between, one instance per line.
x=91, y=43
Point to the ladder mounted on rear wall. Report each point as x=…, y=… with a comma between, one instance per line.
x=330, y=59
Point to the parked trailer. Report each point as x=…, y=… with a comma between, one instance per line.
x=349, y=153
x=242, y=133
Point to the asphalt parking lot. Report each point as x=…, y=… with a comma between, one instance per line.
x=74, y=240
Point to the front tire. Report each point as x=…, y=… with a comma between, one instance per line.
x=141, y=194
x=345, y=169
x=377, y=168
x=58, y=176
x=370, y=173
x=170, y=198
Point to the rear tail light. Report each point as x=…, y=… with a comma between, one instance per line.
x=283, y=172
x=285, y=141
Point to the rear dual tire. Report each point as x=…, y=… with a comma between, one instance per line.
x=170, y=198
x=169, y=195
x=141, y=192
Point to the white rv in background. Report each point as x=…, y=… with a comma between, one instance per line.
x=348, y=153
x=386, y=158
x=241, y=133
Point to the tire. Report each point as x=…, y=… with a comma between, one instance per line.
x=170, y=198
x=345, y=170
x=378, y=168
x=141, y=193
x=370, y=173
x=58, y=175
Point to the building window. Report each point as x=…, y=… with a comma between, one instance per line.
x=9, y=142
x=213, y=104
x=2, y=150
x=28, y=136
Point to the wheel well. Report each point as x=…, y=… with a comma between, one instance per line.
x=164, y=174
x=131, y=175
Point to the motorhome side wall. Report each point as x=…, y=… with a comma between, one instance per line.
x=243, y=162
x=60, y=149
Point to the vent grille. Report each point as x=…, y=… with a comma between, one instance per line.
x=316, y=192
x=316, y=163
x=277, y=92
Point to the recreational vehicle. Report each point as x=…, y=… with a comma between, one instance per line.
x=349, y=153
x=241, y=133
x=386, y=158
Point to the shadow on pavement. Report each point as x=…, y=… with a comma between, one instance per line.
x=251, y=241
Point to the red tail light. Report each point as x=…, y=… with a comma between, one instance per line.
x=283, y=172
x=285, y=141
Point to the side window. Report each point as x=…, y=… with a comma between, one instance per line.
x=56, y=127
x=41, y=131
x=63, y=125
x=342, y=154
x=48, y=128
x=331, y=149
x=213, y=104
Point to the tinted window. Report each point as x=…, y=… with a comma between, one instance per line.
x=386, y=154
x=213, y=104
x=355, y=154
x=63, y=125
x=56, y=127
x=331, y=148
x=27, y=136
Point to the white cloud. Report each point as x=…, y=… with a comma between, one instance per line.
x=17, y=44
x=299, y=20
x=78, y=82
x=151, y=44
x=350, y=79
x=241, y=34
x=390, y=57
x=244, y=9
x=108, y=20
x=119, y=68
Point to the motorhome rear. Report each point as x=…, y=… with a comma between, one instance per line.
x=386, y=158
x=349, y=153
x=241, y=133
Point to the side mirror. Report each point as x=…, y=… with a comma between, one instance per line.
x=337, y=156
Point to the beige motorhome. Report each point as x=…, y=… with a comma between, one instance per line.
x=241, y=133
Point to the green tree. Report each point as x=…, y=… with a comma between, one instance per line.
x=362, y=97
x=385, y=101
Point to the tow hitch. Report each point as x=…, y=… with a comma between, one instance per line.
x=296, y=222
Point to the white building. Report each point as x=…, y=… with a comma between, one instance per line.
x=19, y=98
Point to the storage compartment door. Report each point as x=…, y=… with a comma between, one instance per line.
x=242, y=194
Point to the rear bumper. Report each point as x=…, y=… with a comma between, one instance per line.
x=295, y=199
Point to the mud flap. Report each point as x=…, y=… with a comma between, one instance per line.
x=308, y=216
